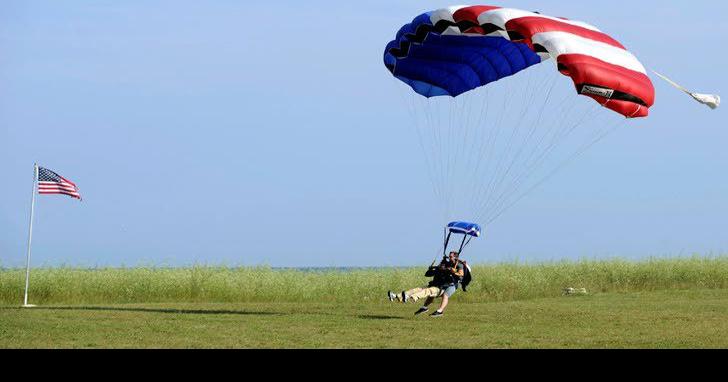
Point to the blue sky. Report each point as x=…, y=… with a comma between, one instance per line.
x=246, y=133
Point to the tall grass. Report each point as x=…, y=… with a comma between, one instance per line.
x=498, y=282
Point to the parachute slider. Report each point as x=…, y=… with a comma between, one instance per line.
x=464, y=228
x=468, y=230
x=710, y=100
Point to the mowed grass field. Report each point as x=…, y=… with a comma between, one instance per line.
x=667, y=303
x=664, y=319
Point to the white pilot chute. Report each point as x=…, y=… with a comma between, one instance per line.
x=710, y=100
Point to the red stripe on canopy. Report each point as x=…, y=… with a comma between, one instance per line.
x=471, y=13
x=585, y=69
x=531, y=25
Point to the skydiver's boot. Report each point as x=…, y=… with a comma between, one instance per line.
x=421, y=310
x=436, y=314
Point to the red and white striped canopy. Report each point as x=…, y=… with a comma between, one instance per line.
x=599, y=65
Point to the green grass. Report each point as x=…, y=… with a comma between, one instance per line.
x=657, y=303
x=498, y=282
x=659, y=319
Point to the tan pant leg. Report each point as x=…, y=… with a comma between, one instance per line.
x=410, y=293
x=419, y=293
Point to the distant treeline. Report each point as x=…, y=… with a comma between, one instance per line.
x=497, y=282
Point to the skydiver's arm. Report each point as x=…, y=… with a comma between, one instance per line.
x=457, y=272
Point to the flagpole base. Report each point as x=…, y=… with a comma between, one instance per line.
x=28, y=306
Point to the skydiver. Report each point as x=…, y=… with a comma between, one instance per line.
x=446, y=279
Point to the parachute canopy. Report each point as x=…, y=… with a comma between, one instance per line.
x=451, y=51
x=470, y=229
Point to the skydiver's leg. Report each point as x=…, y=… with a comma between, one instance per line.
x=410, y=295
x=432, y=293
x=422, y=293
x=443, y=304
x=429, y=301
x=449, y=291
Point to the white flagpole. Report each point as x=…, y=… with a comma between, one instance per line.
x=30, y=235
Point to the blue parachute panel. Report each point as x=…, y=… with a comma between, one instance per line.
x=452, y=64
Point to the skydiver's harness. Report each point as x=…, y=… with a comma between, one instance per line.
x=442, y=275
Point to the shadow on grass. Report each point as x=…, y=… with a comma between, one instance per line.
x=197, y=311
x=378, y=317
x=154, y=310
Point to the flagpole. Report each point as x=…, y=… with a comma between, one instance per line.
x=30, y=235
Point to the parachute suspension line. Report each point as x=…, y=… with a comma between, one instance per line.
x=472, y=143
x=453, y=113
x=494, y=171
x=480, y=128
x=472, y=140
x=530, y=165
x=457, y=128
x=443, y=152
x=534, y=126
x=461, y=117
x=487, y=153
x=537, y=164
x=427, y=106
x=495, y=177
x=411, y=108
x=461, y=152
x=443, y=130
x=477, y=142
x=433, y=127
x=491, y=144
x=515, y=158
x=439, y=127
x=462, y=244
x=563, y=133
x=465, y=244
x=541, y=160
x=444, y=127
x=558, y=168
x=463, y=130
x=549, y=131
x=536, y=157
x=456, y=116
x=447, y=240
x=501, y=174
x=480, y=143
x=563, y=112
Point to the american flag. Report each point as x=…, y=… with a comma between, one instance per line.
x=51, y=183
